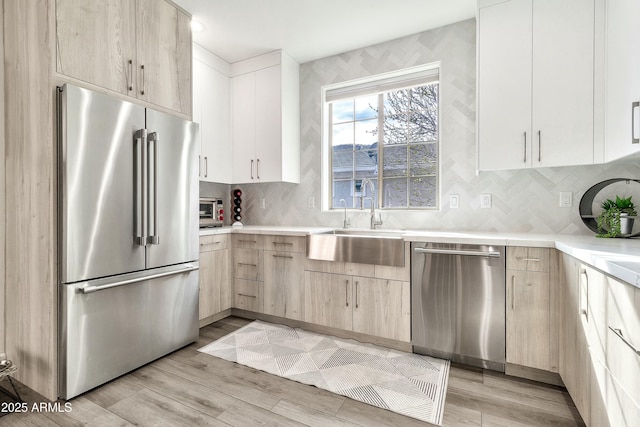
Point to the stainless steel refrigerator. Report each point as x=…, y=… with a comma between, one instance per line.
x=128, y=233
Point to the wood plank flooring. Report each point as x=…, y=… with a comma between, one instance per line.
x=188, y=388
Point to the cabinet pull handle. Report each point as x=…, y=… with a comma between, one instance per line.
x=346, y=292
x=206, y=166
x=130, y=77
x=618, y=332
x=513, y=292
x=539, y=146
x=247, y=295
x=199, y=163
x=246, y=264
x=283, y=243
x=142, y=90
x=283, y=256
x=634, y=105
x=584, y=310
x=252, y=169
x=246, y=241
x=525, y=148
x=356, y=294
x=258, y=169
x=209, y=243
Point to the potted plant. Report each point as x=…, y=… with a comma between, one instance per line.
x=616, y=217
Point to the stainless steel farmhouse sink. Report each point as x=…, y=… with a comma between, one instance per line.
x=359, y=246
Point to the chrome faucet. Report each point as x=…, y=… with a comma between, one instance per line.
x=373, y=221
x=347, y=222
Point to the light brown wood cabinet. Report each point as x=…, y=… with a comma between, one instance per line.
x=247, y=272
x=268, y=274
x=575, y=360
x=215, y=275
x=31, y=264
x=96, y=42
x=528, y=314
x=382, y=308
x=622, y=343
x=138, y=48
x=599, y=335
x=284, y=284
x=378, y=307
x=328, y=300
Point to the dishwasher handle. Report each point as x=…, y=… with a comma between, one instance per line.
x=490, y=254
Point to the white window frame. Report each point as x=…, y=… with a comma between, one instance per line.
x=378, y=83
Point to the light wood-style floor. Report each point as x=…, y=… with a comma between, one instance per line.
x=187, y=388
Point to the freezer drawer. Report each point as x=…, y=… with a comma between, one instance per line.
x=108, y=328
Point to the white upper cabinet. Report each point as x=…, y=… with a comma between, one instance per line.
x=504, y=85
x=622, y=117
x=211, y=109
x=535, y=83
x=266, y=119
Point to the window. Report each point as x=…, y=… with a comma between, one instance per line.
x=382, y=141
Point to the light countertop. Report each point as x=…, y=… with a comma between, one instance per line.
x=619, y=258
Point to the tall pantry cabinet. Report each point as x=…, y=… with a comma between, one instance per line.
x=42, y=51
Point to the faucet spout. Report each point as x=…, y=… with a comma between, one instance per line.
x=364, y=192
x=346, y=223
x=373, y=221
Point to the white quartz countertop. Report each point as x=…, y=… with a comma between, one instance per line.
x=619, y=258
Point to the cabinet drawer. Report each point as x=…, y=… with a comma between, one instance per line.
x=248, y=295
x=247, y=241
x=528, y=259
x=623, y=335
x=214, y=242
x=247, y=264
x=284, y=243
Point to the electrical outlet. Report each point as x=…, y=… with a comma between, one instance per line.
x=454, y=201
x=566, y=199
x=311, y=202
x=262, y=203
x=485, y=200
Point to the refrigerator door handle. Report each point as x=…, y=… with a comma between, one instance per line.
x=141, y=188
x=153, y=238
x=95, y=288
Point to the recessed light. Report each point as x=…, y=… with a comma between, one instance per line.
x=197, y=26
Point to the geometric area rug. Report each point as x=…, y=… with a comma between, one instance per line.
x=406, y=383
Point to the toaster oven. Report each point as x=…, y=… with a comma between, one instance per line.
x=211, y=212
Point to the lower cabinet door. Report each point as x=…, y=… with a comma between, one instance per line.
x=528, y=319
x=328, y=299
x=215, y=283
x=283, y=284
x=382, y=308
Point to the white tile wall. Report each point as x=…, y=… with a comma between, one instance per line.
x=522, y=201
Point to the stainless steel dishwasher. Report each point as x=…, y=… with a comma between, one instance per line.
x=458, y=303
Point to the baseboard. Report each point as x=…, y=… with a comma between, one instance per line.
x=214, y=318
x=534, y=374
x=340, y=333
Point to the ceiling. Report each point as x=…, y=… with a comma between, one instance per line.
x=310, y=29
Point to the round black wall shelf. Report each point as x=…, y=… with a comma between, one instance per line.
x=586, y=204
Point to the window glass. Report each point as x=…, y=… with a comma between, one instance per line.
x=385, y=148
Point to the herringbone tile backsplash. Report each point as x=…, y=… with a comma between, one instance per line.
x=522, y=201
